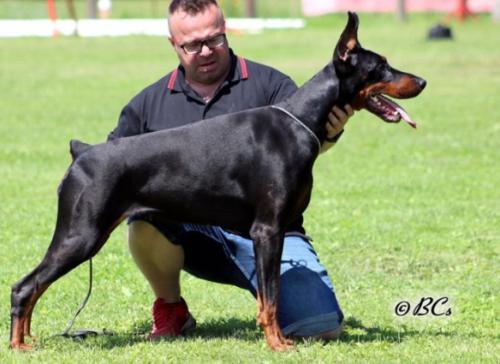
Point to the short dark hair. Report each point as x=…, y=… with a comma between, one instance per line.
x=191, y=7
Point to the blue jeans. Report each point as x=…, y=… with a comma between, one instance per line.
x=307, y=303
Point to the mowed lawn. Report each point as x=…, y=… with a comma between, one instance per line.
x=397, y=214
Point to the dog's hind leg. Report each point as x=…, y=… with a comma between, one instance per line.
x=268, y=246
x=81, y=230
x=66, y=253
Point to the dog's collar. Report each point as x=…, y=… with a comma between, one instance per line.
x=316, y=139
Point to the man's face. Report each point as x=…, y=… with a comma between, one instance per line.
x=210, y=65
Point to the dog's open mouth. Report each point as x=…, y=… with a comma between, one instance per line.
x=387, y=110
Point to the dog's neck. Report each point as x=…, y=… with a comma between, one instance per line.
x=312, y=102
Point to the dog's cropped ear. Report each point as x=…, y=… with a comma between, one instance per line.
x=348, y=40
x=77, y=147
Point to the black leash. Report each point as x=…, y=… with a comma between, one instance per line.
x=83, y=333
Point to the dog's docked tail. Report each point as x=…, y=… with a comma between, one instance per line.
x=77, y=147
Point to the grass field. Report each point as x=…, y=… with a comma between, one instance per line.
x=396, y=214
x=30, y=9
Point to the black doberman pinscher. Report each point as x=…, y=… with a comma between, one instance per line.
x=249, y=171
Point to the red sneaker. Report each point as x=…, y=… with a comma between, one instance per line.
x=171, y=319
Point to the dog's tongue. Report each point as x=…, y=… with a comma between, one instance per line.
x=403, y=113
x=406, y=117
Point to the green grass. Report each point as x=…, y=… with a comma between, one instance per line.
x=396, y=213
x=29, y=9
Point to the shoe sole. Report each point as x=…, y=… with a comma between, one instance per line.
x=188, y=327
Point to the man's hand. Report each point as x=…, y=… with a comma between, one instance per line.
x=337, y=118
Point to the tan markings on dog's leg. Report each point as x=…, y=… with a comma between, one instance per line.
x=17, y=338
x=26, y=319
x=27, y=323
x=268, y=320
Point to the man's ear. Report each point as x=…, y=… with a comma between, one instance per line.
x=348, y=40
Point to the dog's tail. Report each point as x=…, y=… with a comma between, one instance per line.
x=77, y=147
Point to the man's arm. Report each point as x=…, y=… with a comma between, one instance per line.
x=129, y=124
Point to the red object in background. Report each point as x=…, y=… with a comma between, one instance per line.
x=51, y=7
x=450, y=7
x=462, y=11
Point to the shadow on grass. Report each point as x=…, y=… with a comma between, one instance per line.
x=245, y=330
x=355, y=331
x=240, y=329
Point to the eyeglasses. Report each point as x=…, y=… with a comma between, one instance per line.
x=196, y=46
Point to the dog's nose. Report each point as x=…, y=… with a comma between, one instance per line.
x=421, y=83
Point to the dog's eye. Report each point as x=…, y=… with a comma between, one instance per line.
x=376, y=73
x=381, y=67
x=380, y=70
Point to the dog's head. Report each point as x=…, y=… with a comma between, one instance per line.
x=368, y=78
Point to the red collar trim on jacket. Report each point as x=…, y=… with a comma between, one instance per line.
x=172, y=79
x=243, y=67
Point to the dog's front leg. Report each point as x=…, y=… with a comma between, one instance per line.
x=268, y=245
